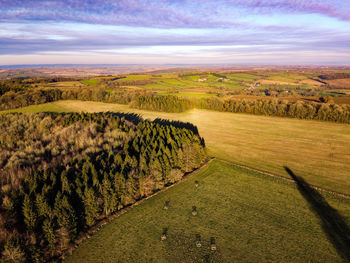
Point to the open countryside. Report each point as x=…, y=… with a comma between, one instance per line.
x=319, y=151
x=175, y=131
x=252, y=217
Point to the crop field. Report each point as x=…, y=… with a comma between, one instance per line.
x=320, y=151
x=253, y=218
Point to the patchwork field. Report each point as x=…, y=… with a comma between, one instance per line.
x=253, y=218
x=319, y=151
x=209, y=81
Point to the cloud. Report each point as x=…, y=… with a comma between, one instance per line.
x=141, y=27
x=164, y=14
x=123, y=12
x=73, y=37
x=332, y=8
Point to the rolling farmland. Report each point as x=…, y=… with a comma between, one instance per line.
x=317, y=150
x=253, y=218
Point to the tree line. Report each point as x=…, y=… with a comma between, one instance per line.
x=14, y=85
x=148, y=101
x=332, y=76
x=137, y=99
x=22, y=84
x=162, y=103
x=281, y=108
x=12, y=100
x=48, y=203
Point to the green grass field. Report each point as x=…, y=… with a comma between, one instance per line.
x=253, y=218
x=90, y=82
x=135, y=77
x=320, y=151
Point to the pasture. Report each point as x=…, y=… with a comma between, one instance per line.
x=253, y=218
x=319, y=151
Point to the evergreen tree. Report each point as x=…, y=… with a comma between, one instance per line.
x=120, y=187
x=30, y=216
x=49, y=234
x=90, y=206
x=109, y=196
x=65, y=214
x=65, y=183
x=42, y=206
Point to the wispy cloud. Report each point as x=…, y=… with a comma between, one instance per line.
x=169, y=14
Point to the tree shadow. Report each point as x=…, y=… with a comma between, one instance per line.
x=333, y=224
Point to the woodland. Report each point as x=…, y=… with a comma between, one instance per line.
x=61, y=173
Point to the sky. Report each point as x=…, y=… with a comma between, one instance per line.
x=237, y=32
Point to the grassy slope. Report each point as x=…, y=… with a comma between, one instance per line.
x=320, y=151
x=253, y=219
x=52, y=107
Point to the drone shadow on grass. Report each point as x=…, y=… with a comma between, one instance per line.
x=333, y=224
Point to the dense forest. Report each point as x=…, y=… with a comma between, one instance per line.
x=60, y=173
x=14, y=85
x=12, y=99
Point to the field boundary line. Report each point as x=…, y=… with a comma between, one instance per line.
x=284, y=178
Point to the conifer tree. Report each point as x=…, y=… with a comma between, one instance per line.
x=65, y=183
x=109, y=196
x=120, y=187
x=42, y=206
x=90, y=206
x=30, y=216
x=65, y=214
x=49, y=234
